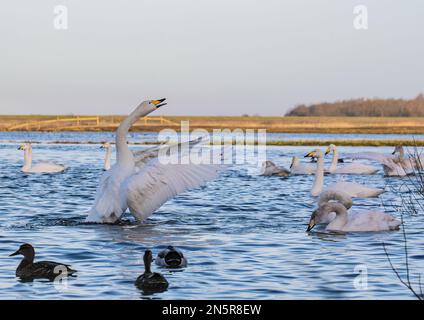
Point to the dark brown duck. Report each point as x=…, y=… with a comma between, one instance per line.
x=28, y=269
x=150, y=281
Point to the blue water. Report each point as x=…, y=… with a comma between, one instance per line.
x=140, y=137
x=243, y=234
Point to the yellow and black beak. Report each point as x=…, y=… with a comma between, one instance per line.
x=158, y=103
x=310, y=154
x=21, y=148
x=311, y=225
x=327, y=151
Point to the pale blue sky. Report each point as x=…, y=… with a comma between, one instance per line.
x=208, y=57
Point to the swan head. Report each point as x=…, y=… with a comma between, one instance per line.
x=24, y=146
x=295, y=161
x=398, y=149
x=317, y=153
x=325, y=214
x=322, y=215
x=151, y=105
x=330, y=148
x=105, y=145
x=267, y=164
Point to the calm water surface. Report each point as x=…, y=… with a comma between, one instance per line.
x=244, y=235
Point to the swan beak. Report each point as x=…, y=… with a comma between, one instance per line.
x=311, y=224
x=14, y=254
x=158, y=103
x=310, y=154
x=21, y=148
x=327, y=151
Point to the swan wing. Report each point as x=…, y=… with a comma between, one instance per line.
x=356, y=168
x=364, y=220
x=142, y=157
x=375, y=156
x=108, y=205
x=355, y=190
x=304, y=169
x=46, y=167
x=156, y=183
x=272, y=169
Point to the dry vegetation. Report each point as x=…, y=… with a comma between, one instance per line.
x=363, y=108
x=395, y=125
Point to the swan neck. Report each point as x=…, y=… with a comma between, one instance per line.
x=27, y=158
x=319, y=177
x=341, y=216
x=123, y=153
x=333, y=166
x=107, y=158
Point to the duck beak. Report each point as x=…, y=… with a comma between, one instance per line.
x=14, y=254
x=158, y=103
x=311, y=224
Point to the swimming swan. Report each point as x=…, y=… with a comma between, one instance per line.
x=143, y=186
x=392, y=165
x=354, y=190
x=41, y=167
x=414, y=162
x=297, y=167
x=269, y=168
x=338, y=219
x=351, y=168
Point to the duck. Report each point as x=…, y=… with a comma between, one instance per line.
x=354, y=190
x=108, y=147
x=41, y=167
x=171, y=257
x=149, y=281
x=269, y=168
x=28, y=269
x=298, y=168
x=351, y=168
x=338, y=219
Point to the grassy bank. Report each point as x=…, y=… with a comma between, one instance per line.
x=364, y=125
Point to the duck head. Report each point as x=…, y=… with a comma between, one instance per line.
x=26, y=250
x=147, y=258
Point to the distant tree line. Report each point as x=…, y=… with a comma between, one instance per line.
x=363, y=108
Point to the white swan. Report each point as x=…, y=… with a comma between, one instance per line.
x=271, y=169
x=411, y=163
x=144, y=186
x=351, y=168
x=108, y=147
x=354, y=190
x=297, y=167
x=392, y=165
x=337, y=218
x=41, y=167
